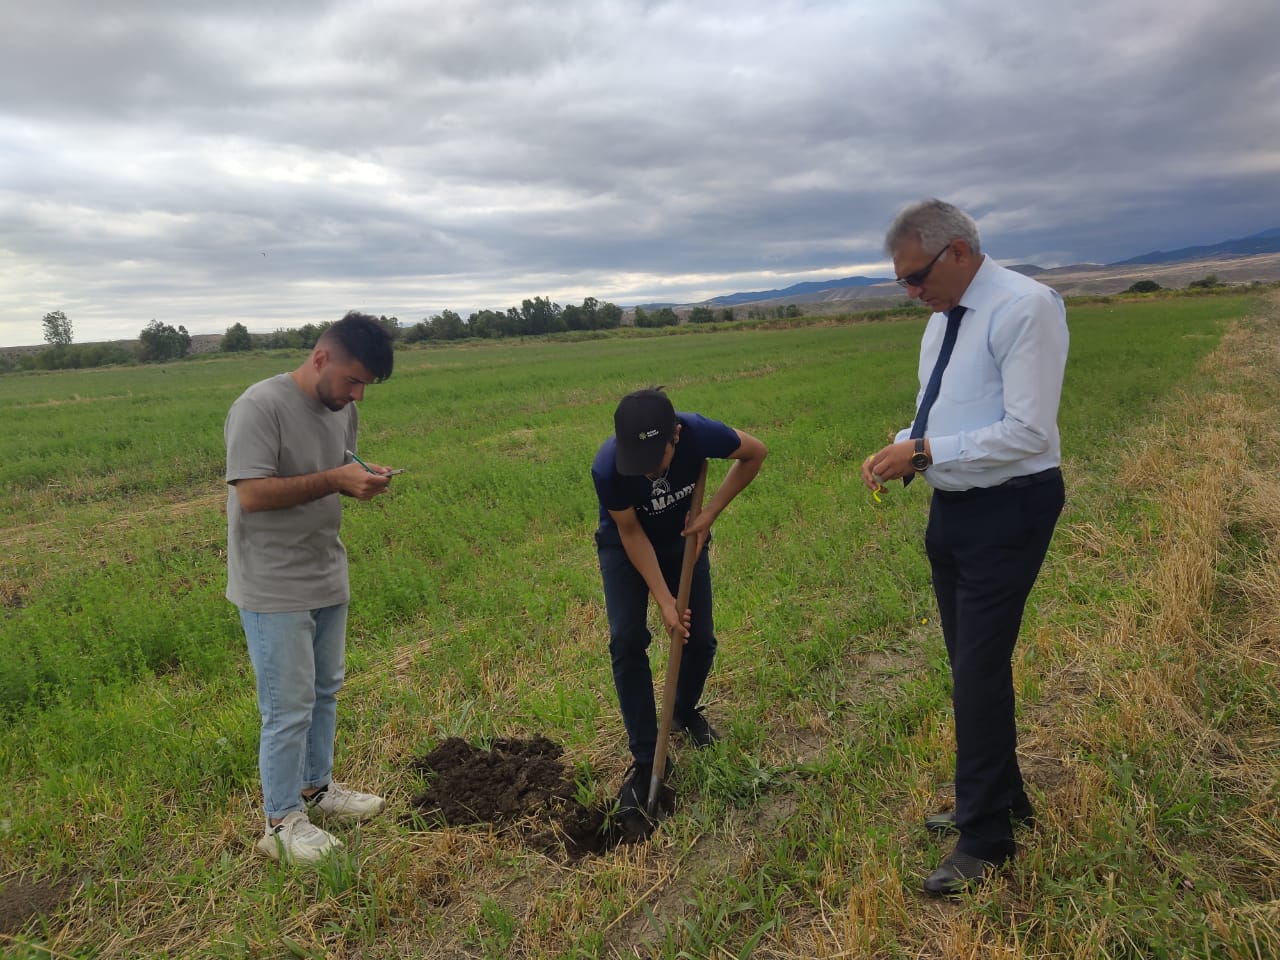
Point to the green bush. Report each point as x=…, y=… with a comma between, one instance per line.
x=237, y=338
x=1144, y=286
x=161, y=341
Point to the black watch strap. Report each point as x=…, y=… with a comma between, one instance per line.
x=920, y=459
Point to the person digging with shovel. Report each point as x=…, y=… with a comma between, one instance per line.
x=644, y=477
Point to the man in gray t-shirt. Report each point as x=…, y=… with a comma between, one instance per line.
x=288, y=439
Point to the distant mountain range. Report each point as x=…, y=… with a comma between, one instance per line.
x=1268, y=241
x=811, y=291
x=796, y=289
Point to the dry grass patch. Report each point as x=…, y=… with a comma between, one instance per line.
x=1146, y=704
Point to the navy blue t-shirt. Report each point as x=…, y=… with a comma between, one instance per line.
x=661, y=504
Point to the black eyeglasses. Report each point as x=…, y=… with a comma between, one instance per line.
x=920, y=276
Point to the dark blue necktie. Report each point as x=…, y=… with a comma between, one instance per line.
x=935, y=379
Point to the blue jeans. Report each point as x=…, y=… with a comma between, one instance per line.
x=299, y=660
x=626, y=598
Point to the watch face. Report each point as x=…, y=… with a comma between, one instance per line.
x=920, y=461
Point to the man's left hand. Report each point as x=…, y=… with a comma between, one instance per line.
x=700, y=527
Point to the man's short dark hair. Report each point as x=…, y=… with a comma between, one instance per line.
x=363, y=338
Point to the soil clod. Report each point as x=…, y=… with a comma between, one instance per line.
x=522, y=787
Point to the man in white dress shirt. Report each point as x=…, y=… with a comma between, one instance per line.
x=985, y=438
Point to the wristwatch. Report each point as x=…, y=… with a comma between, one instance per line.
x=920, y=460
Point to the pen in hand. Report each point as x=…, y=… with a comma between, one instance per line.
x=389, y=473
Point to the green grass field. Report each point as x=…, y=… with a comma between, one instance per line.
x=1150, y=706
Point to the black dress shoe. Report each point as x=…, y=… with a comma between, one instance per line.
x=946, y=822
x=958, y=873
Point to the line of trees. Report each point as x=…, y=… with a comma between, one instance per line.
x=238, y=338
x=69, y=356
x=159, y=341
x=789, y=312
x=532, y=318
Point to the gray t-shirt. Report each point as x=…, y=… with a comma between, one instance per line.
x=281, y=561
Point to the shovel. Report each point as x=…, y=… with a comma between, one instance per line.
x=677, y=647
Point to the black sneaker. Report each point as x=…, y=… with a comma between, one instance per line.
x=695, y=727
x=633, y=798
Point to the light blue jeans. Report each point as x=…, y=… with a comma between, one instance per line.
x=299, y=660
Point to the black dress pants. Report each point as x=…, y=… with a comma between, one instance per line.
x=985, y=548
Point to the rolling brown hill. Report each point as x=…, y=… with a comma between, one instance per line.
x=1084, y=279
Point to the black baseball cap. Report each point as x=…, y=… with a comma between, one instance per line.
x=643, y=424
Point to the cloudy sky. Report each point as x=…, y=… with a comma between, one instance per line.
x=277, y=162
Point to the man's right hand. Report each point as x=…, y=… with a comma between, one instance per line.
x=353, y=480
x=673, y=621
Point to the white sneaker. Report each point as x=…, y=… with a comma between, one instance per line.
x=337, y=801
x=295, y=839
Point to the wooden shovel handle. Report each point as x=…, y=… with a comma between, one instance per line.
x=677, y=643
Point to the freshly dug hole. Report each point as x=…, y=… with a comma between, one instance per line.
x=522, y=787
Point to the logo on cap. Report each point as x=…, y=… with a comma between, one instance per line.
x=646, y=434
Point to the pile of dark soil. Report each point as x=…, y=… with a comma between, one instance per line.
x=522, y=787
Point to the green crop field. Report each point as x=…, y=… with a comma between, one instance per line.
x=1148, y=676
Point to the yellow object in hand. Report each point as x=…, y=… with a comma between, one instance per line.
x=879, y=484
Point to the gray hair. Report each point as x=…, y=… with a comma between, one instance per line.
x=935, y=224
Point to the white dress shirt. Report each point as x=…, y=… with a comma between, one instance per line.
x=996, y=416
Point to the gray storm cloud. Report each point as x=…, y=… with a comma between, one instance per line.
x=408, y=157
